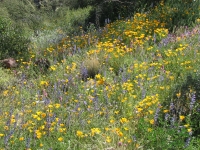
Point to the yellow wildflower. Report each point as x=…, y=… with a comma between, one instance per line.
x=95, y=131
x=149, y=129
x=108, y=139
x=60, y=139
x=186, y=125
x=21, y=138
x=57, y=105
x=181, y=117
x=79, y=133
x=98, y=76
x=5, y=93
x=151, y=121
x=165, y=111
x=53, y=68
x=123, y=120
x=189, y=130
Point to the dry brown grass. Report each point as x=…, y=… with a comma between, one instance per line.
x=92, y=66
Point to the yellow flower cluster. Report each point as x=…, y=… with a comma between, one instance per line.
x=143, y=106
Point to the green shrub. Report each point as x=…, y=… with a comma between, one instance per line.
x=23, y=13
x=70, y=20
x=12, y=41
x=176, y=13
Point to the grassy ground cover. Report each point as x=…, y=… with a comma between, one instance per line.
x=130, y=85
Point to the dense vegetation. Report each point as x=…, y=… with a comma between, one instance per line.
x=89, y=78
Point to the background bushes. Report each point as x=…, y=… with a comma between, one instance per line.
x=12, y=41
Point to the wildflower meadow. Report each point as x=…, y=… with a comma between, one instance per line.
x=132, y=84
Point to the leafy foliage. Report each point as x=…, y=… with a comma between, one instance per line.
x=185, y=102
x=178, y=14
x=22, y=13
x=12, y=41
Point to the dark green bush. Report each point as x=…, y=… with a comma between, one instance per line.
x=176, y=13
x=22, y=13
x=12, y=41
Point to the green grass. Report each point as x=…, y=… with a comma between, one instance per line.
x=144, y=72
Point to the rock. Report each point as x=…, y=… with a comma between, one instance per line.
x=9, y=63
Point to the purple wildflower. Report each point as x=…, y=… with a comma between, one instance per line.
x=28, y=143
x=156, y=114
x=79, y=49
x=134, y=138
x=84, y=72
x=193, y=100
x=172, y=107
x=187, y=142
x=167, y=117
x=6, y=140
x=74, y=50
x=154, y=38
x=172, y=121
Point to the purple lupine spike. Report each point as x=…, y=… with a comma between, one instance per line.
x=134, y=138
x=46, y=101
x=55, y=87
x=23, y=76
x=187, y=142
x=193, y=100
x=6, y=140
x=70, y=78
x=28, y=143
x=190, y=133
x=106, y=21
x=154, y=38
x=167, y=117
x=161, y=78
x=54, y=116
x=106, y=97
x=172, y=121
x=143, y=93
x=84, y=72
x=119, y=17
x=171, y=107
x=8, y=122
x=85, y=102
x=74, y=49
x=11, y=133
x=124, y=77
x=77, y=106
x=79, y=49
x=156, y=114
x=68, y=121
